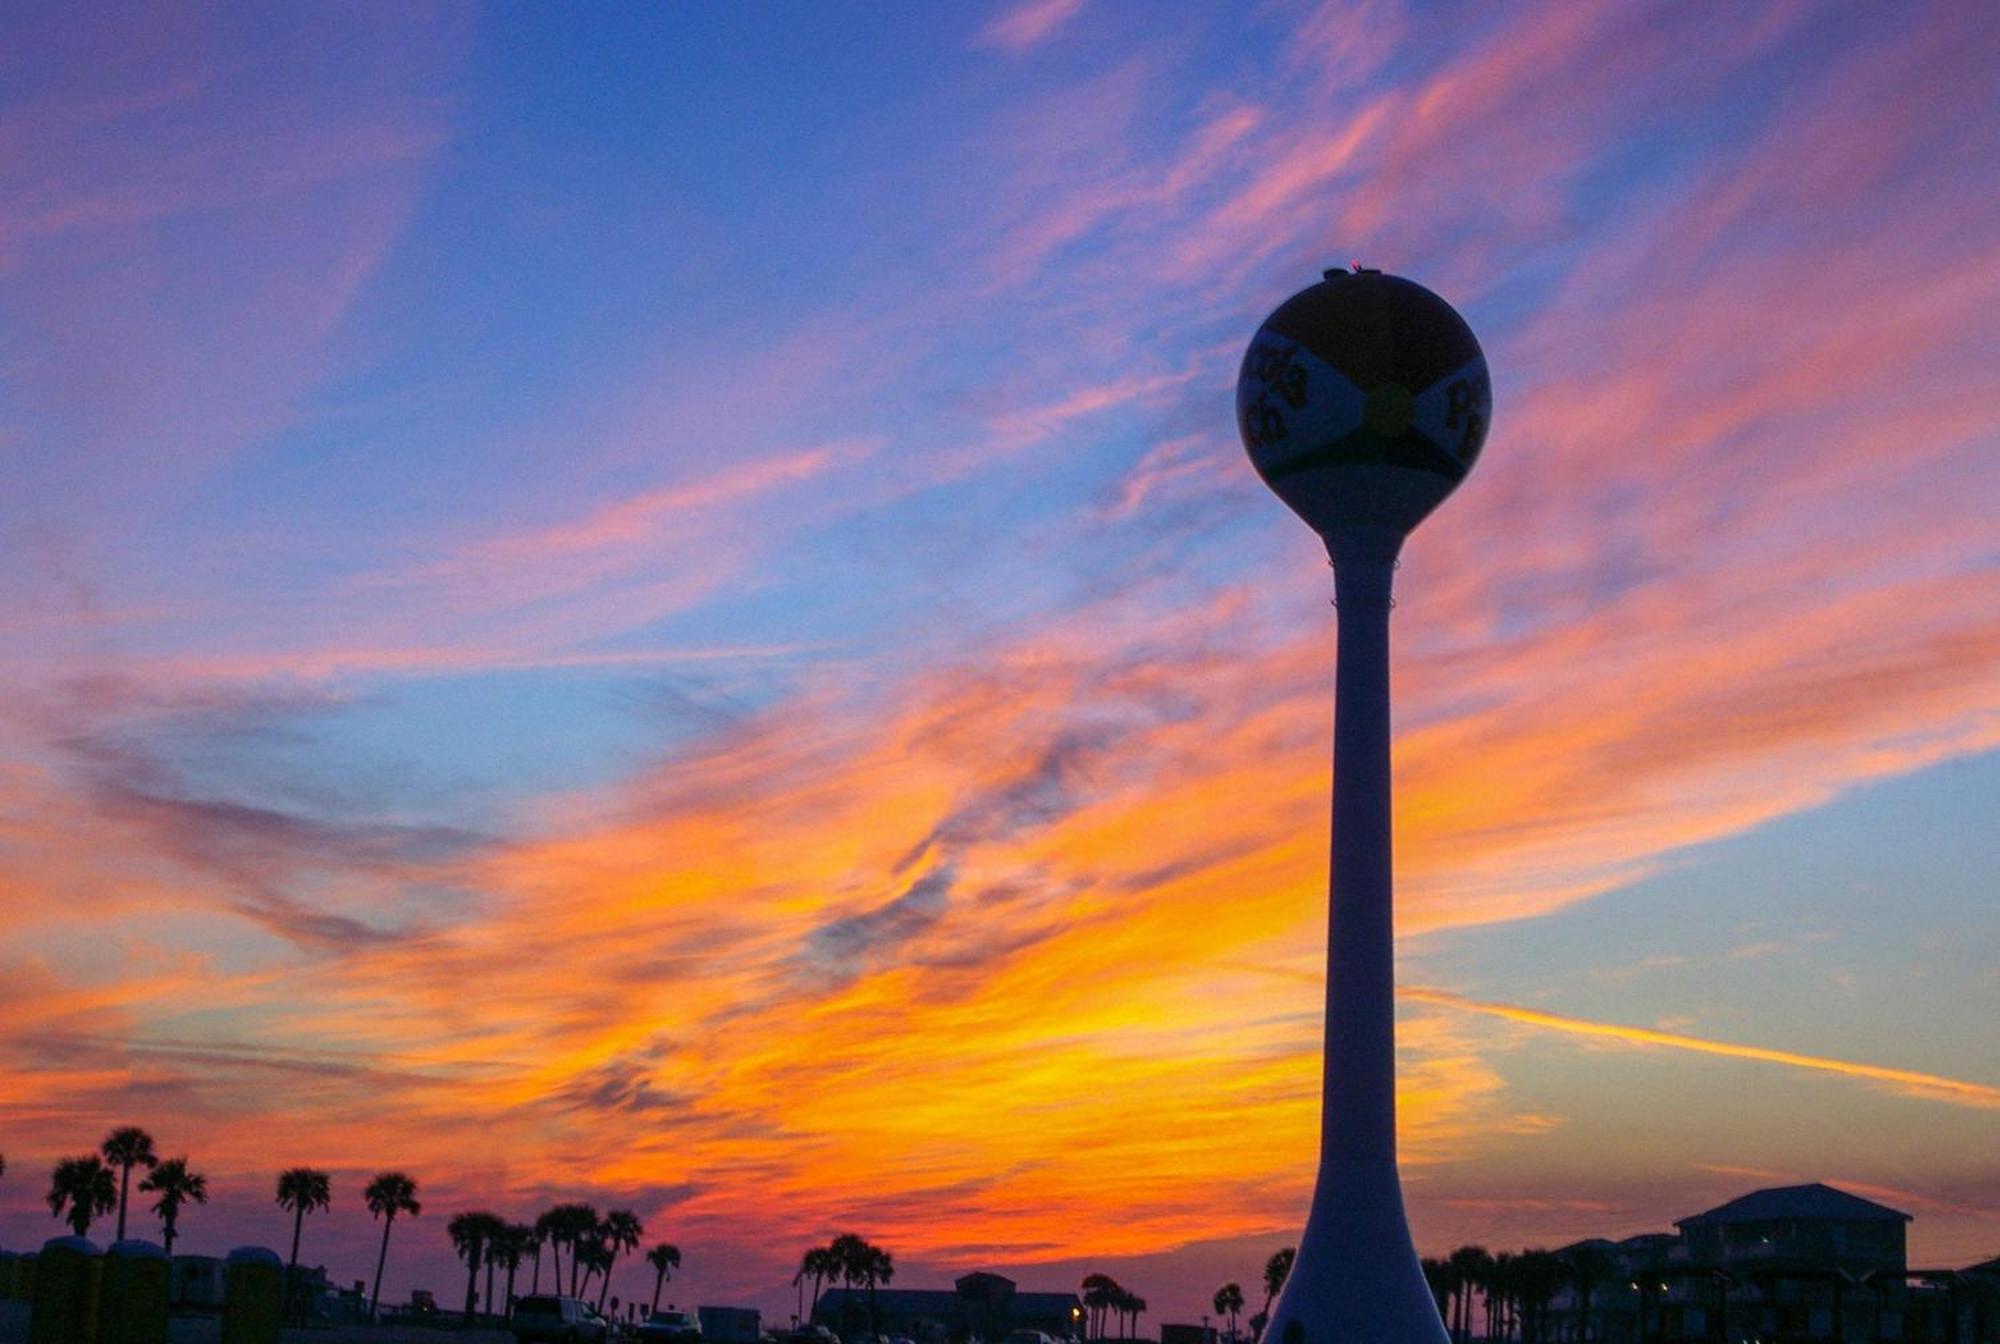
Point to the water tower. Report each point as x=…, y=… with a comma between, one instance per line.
x=1363, y=402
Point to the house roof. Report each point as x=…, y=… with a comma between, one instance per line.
x=1795, y=1201
x=914, y=1301
x=943, y=1302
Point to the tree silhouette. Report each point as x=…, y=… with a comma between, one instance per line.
x=538, y=1233
x=86, y=1187
x=1473, y=1266
x=176, y=1186
x=389, y=1194
x=1500, y=1295
x=664, y=1257
x=1229, y=1301
x=621, y=1232
x=469, y=1233
x=510, y=1245
x=1437, y=1275
x=818, y=1264
x=1276, y=1270
x=593, y=1253
x=301, y=1190
x=877, y=1266
x=569, y=1225
x=1589, y=1265
x=1099, y=1292
x=125, y=1149
x=1538, y=1276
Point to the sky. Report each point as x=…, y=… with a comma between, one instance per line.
x=659, y=605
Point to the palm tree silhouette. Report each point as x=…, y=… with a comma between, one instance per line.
x=571, y=1224
x=595, y=1256
x=1437, y=1275
x=1228, y=1301
x=86, y=1187
x=510, y=1245
x=663, y=1257
x=1589, y=1265
x=389, y=1194
x=176, y=1186
x=1473, y=1265
x=1276, y=1270
x=301, y=1190
x=1500, y=1295
x=495, y=1235
x=849, y=1251
x=621, y=1232
x=877, y=1266
x=125, y=1149
x=818, y=1264
x=538, y=1237
x=1538, y=1276
x=1099, y=1291
x=468, y=1233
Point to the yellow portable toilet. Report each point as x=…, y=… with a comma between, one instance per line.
x=64, y=1283
x=132, y=1305
x=253, y=1300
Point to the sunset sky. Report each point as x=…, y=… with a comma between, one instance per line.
x=659, y=604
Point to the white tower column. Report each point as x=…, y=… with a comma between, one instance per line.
x=1356, y=1263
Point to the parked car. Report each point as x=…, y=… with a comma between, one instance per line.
x=1026, y=1337
x=669, y=1327
x=558, y=1320
x=809, y=1334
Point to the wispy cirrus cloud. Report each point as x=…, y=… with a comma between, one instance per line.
x=1027, y=23
x=1907, y=1082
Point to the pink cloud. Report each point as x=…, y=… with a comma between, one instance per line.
x=1028, y=23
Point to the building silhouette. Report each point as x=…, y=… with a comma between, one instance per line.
x=977, y=1306
x=1800, y=1264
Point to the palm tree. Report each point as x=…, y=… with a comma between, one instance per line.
x=494, y=1233
x=1538, y=1276
x=389, y=1194
x=1229, y=1301
x=1276, y=1270
x=1500, y=1295
x=1099, y=1290
x=510, y=1246
x=175, y=1185
x=538, y=1237
x=468, y=1233
x=125, y=1149
x=621, y=1231
x=595, y=1256
x=301, y=1190
x=663, y=1257
x=573, y=1224
x=1437, y=1274
x=86, y=1186
x=818, y=1264
x=850, y=1252
x=1589, y=1265
x=1473, y=1265
x=1128, y=1306
x=877, y=1267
